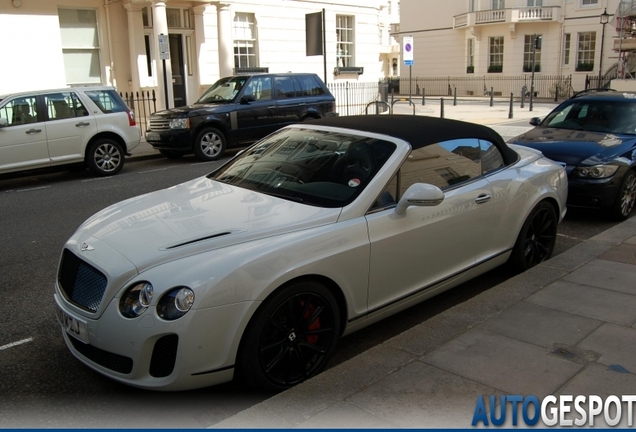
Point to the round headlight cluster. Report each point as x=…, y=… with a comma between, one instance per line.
x=180, y=123
x=136, y=300
x=175, y=303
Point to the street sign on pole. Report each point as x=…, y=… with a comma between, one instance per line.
x=164, y=47
x=407, y=51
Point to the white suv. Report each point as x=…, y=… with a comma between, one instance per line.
x=82, y=125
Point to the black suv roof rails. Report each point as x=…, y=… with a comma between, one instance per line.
x=591, y=90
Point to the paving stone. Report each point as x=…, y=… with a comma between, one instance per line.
x=631, y=240
x=617, y=234
x=540, y=325
x=503, y=363
x=257, y=416
x=422, y=396
x=346, y=415
x=615, y=344
x=588, y=301
x=611, y=275
x=578, y=256
x=625, y=253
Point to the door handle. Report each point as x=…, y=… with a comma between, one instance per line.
x=82, y=124
x=482, y=199
x=33, y=131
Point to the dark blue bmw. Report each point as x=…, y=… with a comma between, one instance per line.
x=594, y=136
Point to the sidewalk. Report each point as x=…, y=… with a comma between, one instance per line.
x=567, y=326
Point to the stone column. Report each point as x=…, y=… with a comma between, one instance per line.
x=226, y=41
x=199, y=46
x=136, y=45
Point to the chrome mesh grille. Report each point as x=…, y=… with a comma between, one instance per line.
x=82, y=284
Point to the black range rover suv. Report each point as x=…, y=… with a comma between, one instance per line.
x=237, y=111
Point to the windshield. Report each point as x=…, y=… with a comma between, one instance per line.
x=320, y=168
x=596, y=116
x=224, y=90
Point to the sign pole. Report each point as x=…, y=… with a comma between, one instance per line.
x=407, y=53
x=164, y=52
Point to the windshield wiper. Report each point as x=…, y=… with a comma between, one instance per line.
x=283, y=196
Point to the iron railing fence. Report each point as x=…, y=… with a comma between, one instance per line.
x=142, y=103
x=352, y=97
x=545, y=86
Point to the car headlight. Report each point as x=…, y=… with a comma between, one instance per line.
x=136, y=300
x=596, y=172
x=175, y=303
x=180, y=123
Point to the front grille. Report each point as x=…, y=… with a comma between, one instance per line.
x=82, y=283
x=159, y=124
x=164, y=356
x=114, y=362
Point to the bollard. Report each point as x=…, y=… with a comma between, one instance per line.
x=441, y=108
x=531, y=96
x=556, y=93
x=423, y=96
x=491, y=95
x=510, y=112
x=455, y=96
x=523, y=96
x=392, y=93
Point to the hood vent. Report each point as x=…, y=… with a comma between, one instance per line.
x=200, y=239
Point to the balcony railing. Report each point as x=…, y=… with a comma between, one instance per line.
x=514, y=15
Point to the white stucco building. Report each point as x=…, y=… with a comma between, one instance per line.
x=495, y=37
x=55, y=43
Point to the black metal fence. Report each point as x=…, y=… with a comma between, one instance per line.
x=545, y=86
x=143, y=104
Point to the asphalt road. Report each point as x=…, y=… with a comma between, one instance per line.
x=43, y=385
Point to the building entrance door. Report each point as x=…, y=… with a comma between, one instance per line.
x=178, y=79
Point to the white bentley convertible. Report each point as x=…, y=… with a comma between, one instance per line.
x=316, y=231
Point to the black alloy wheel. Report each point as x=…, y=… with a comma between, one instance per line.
x=624, y=204
x=291, y=337
x=536, y=239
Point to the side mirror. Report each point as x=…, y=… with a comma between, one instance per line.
x=3, y=122
x=421, y=195
x=245, y=100
x=535, y=121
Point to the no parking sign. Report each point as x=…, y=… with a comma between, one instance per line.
x=407, y=50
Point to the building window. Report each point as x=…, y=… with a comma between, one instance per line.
x=471, y=5
x=146, y=17
x=345, y=53
x=528, y=50
x=498, y=4
x=585, y=51
x=566, y=49
x=495, y=54
x=535, y=3
x=178, y=18
x=80, y=46
x=148, y=56
x=589, y=2
x=470, y=56
x=245, y=40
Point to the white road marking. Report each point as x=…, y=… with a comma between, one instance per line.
x=32, y=189
x=11, y=345
x=151, y=171
x=97, y=178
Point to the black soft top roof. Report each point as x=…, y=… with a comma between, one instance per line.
x=420, y=131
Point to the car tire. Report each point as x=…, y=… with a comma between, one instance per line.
x=105, y=157
x=536, y=240
x=209, y=145
x=624, y=203
x=290, y=338
x=171, y=154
